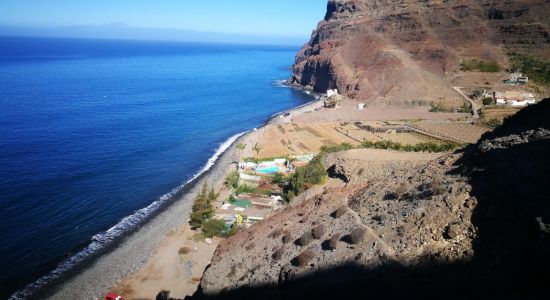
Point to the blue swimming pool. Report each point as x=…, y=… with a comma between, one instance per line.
x=268, y=170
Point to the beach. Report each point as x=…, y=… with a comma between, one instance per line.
x=155, y=245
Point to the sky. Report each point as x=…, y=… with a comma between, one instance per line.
x=253, y=17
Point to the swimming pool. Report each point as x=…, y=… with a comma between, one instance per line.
x=268, y=170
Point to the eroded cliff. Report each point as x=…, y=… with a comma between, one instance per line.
x=393, y=52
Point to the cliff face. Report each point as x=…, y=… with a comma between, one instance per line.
x=408, y=49
x=461, y=226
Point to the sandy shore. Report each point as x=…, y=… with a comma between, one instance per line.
x=147, y=261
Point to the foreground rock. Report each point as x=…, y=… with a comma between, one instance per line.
x=462, y=225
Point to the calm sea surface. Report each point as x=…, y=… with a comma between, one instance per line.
x=93, y=130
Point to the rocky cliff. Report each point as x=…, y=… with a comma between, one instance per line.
x=387, y=51
x=470, y=224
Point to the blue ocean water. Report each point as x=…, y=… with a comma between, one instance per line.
x=93, y=130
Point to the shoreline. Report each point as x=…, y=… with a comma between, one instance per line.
x=134, y=250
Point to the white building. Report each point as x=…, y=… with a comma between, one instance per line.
x=517, y=99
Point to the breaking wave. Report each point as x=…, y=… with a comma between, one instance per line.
x=104, y=239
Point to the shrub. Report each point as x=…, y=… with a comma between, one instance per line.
x=357, y=235
x=318, y=231
x=420, y=147
x=336, y=148
x=401, y=189
x=278, y=254
x=487, y=101
x=494, y=122
x=305, y=177
x=305, y=239
x=537, y=69
x=479, y=65
x=232, y=180
x=333, y=242
x=213, y=227
x=303, y=258
x=339, y=212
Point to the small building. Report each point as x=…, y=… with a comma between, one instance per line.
x=517, y=77
x=361, y=106
x=514, y=98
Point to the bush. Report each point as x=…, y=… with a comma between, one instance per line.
x=213, y=227
x=278, y=254
x=537, y=69
x=232, y=180
x=333, y=242
x=357, y=235
x=318, y=231
x=487, y=101
x=479, y=65
x=492, y=122
x=437, y=187
x=339, y=212
x=401, y=189
x=336, y=148
x=305, y=239
x=303, y=258
x=305, y=177
x=420, y=147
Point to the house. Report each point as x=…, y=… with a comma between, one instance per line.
x=517, y=77
x=514, y=98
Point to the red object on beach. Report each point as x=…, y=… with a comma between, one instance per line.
x=113, y=296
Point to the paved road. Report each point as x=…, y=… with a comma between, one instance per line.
x=475, y=107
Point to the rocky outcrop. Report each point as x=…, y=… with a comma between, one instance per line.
x=458, y=226
x=383, y=51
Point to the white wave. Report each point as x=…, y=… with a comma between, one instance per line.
x=103, y=239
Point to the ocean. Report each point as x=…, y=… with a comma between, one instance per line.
x=96, y=134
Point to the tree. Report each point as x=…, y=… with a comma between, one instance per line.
x=202, y=207
x=487, y=101
x=257, y=148
x=241, y=148
x=232, y=181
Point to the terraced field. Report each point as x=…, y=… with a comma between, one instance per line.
x=460, y=132
x=306, y=138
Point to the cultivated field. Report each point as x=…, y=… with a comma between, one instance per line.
x=498, y=113
x=464, y=132
x=306, y=138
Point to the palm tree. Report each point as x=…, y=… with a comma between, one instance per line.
x=241, y=148
x=257, y=148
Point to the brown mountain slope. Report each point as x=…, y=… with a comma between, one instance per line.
x=463, y=226
x=404, y=50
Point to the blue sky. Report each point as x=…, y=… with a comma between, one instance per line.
x=257, y=17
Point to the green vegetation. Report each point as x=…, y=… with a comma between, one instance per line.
x=465, y=108
x=389, y=145
x=479, y=65
x=232, y=181
x=336, y=148
x=242, y=189
x=202, y=207
x=420, y=147
x=305, y=177
x=213, y=227
x=437, y=107
x=537, y=69
x=494, y=122
x=488, y=101
x=257, y=148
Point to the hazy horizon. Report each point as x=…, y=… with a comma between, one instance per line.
x=282, y=22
